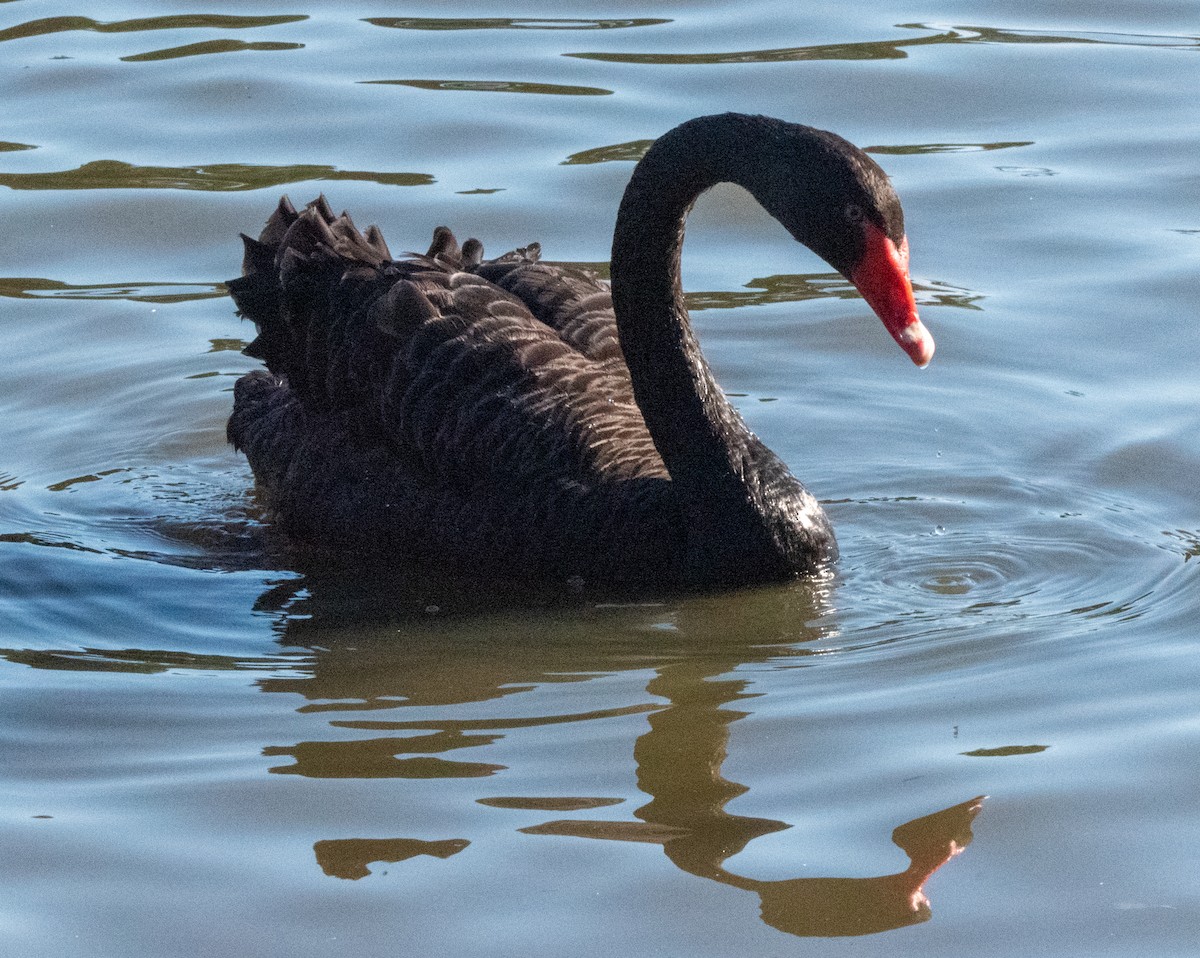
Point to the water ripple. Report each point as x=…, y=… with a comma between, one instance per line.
x=1049, y=573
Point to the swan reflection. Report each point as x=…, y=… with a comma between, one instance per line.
x=695, y=652
x=825, y=907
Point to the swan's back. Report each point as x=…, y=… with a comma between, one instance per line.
x=445, y=406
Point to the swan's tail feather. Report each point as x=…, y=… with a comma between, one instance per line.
x=258, y=257
x=472, y=254
x=277, y=225
x=291, y=287
x=376, y=241
x=444, y=244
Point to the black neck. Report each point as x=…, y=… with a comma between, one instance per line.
x=686, y=412
x=732, y=484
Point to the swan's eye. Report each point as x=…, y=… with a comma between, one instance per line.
x=853, y=213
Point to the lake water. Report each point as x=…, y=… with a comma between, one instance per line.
x=207, y=747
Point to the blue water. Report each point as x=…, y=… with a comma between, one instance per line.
x=209, y=745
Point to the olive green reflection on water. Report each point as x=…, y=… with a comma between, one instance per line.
x=975, y=34
x=1005, y=750
x=460, y=725
x=797, y=288
x=552, y=804
x=44, y=541
x=137, y=661
x=48, y=25
x=508, y=23
x=349, y=857
x=629, y=152
x=920, y=149
x=209, y=46
x=944, y=294
x=1189, y=540
x=65, y=484
x=634, y=150
x=28, y=287
x=872, y=50
x=781, y=288
x=217, y=177
x=496, y=86
x=884, y=49
x=379, y=757
x=429, y=656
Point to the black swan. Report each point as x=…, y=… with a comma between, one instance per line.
x=520, y=420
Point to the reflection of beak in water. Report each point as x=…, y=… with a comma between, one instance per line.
x=863, y=906
x=437, y=663
x=824, y=907
x=679, y=763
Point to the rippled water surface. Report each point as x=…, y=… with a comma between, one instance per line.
x=209, y=747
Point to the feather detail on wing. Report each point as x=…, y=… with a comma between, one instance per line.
x=451, y=388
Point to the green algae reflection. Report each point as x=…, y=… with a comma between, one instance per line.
x=49, y=25
x=218, y=177
x=509, y=23
x=883, y=49
x=30, y=287
x=208, y=47
x=496, y=86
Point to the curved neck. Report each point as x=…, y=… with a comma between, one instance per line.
x=687, y=414
x=740, y=498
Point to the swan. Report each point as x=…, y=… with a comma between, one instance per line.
x=524, y=421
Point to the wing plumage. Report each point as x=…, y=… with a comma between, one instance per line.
x=441, y=404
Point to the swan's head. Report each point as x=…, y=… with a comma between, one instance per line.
x=836, y=200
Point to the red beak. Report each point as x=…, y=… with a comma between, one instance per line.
x=882, y=278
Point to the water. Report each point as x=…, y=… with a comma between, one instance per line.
x=211, y=747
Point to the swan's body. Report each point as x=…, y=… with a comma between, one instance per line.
x=496, y=416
